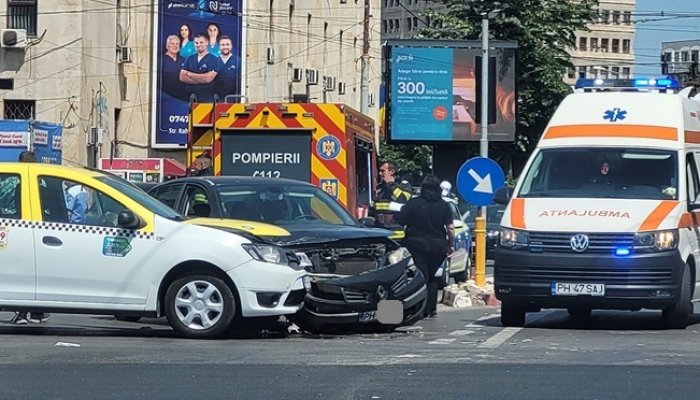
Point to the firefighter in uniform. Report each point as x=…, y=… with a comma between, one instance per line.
x=391, y=195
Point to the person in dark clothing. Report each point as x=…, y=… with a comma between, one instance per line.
x=430, y=233
x=204, y=165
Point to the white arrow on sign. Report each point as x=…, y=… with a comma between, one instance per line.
x=483, y=185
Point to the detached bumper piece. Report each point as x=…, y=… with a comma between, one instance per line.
x=351, y=304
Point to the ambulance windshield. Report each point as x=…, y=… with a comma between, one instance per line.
x=598, y=172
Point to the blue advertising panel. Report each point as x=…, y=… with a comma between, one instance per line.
x=433, y=91
x=197, y=51
x=45, y=140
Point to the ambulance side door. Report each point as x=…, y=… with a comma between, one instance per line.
x=693, y=195
x=17, y=267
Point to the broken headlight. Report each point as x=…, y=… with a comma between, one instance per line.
x=398, y=255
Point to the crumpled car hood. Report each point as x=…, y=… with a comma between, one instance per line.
x=302, y=234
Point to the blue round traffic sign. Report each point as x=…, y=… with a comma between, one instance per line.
x=478, y=179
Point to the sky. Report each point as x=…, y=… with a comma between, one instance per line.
x=653, y=29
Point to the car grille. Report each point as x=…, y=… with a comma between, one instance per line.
x=354, y=296
x=354, y=267
x=400, y=283
x=560, y=242
x=585, y=274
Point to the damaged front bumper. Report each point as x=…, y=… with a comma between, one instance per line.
x=352, y=302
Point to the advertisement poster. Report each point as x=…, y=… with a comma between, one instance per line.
x=15, y=137
x=197, y=52
x=433, y=94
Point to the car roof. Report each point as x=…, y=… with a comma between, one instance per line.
x=238, y=180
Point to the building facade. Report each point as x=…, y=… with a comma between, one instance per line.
x=607, y=50
x=402, y=19
x=88, y=65
x=681, y=57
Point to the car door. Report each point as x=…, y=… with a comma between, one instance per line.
x=17, y=268
x=86, y=258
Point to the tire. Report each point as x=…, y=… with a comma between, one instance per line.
x=463, y=276
x=206, y=314
x=678, y=315
x=579, y=312
x=127, y=318
x=512, y=315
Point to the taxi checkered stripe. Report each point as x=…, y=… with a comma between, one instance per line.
x=94, y=230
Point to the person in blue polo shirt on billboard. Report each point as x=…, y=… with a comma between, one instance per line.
x=228, y=78
x=200, y=70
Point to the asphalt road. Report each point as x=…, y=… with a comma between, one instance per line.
x=462, y=354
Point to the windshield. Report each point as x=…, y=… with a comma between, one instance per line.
x=282, y=204
x=602, y=173
x=141, y=197
x=494, y=213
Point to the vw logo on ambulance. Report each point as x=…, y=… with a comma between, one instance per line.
x=579, y=243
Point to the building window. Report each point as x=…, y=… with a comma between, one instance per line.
x=594, y=44
x=615, y=46
x=676, y=56
x=415, y=23
x=685, y=56
x=582, y=43
x=694, y=55
x=571, y=73
x=21, y=14
x=604, y=16
x=397, y=25
x=626, y=72
x=616, y=72
x=409, y=26
x=19, y=109
x=386, y=3
x=616, y=17
x=604, y=45
x=626, y=46
x=391, y=25
x=627, y=18
x=582, y=72
x=384, y=26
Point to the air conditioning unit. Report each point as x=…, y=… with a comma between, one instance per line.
x=297, y=75
x=270, y=55
x=13, y=38
x=341, y=87
x=312, y=77
x=329, y=83
x=96, y=135
x=125, y=54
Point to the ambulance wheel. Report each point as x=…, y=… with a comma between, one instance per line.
x=200, y=306
x=512, y=315
x=127, y=318
x=678, y=315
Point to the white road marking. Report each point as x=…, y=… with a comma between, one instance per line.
x=499, y=338
x=476, y=324
x=442, y=341
x=461, y=332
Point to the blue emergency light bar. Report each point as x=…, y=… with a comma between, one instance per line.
x=664, y=83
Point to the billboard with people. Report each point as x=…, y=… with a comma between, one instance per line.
x=197, y=54
x=433, y=91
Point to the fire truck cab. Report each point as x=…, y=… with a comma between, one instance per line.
x=330, y=145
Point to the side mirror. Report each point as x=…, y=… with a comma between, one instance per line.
x=502, y=195
x=368, y=221
x=128, y=220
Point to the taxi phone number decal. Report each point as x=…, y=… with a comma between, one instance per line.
x=4, y=233
x=115, y=246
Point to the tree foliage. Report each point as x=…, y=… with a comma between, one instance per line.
x=545, y=31
x=411, y=160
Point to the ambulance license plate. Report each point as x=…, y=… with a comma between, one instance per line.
x=577, y=289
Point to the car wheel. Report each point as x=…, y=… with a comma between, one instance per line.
x=463, y=276
x=678, y=315
x=580, y=312
x=200, y=306
x=127, y=318
x=512, y=315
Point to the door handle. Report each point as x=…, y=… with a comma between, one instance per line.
x=51, y=241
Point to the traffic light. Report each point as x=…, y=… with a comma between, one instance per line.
x=13, y=38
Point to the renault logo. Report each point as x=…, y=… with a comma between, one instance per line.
x=579, y=243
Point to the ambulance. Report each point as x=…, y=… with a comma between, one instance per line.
x=606, y=214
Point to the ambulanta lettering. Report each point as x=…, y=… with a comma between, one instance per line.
x=266, y=158
x=585, y=213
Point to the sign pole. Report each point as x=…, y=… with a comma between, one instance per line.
x=480, y=222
